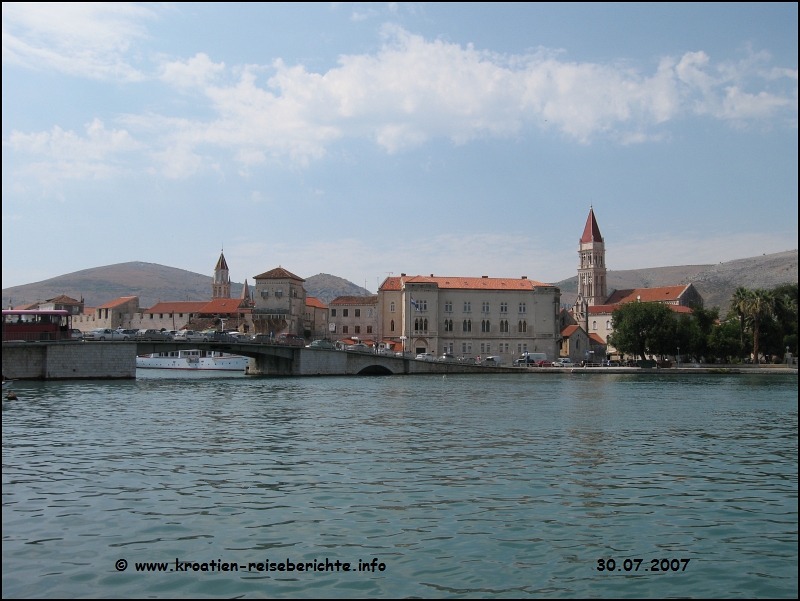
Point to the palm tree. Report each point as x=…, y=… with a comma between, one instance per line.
x=759, y=308
x=739, y=305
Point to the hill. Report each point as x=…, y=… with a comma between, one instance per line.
x=327, y=287
x=716, y=283
x=152, y=283
x=149, y=281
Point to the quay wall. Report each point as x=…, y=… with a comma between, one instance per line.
x=69, y=360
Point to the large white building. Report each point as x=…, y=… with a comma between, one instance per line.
x=469, y=316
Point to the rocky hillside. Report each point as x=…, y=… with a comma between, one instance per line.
x=152, y=283
x=327, y=287
x=149, y=281
x=716, y=283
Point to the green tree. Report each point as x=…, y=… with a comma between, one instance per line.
x=759, y=308
x=739, y=303
x=642, y=327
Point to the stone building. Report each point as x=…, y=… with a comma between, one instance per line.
x=592, y=263
x=316, y=319
x=62, y=303
x=354, y=318
x=221, y=284
x=469, y=316
x=280, y=303
x=115, y=314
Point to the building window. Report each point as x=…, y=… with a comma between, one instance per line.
x=448, y=307
x=345, y=312
x=504, y=325
x=344, y=329
x=391, y=307
x=519, y=348
x=358, y=313
x=425, y=325
x=483, y=349
x=522, y=307
x=391, y=326
x=463, y=347
x=522, y=326
x=422, y=305
x=357, y=330
x=369, y=312
x=608, y=325
x=503, y=307
x=484, y=307
x=467, y=307
x=279, y=293
x=594, y=325
x=485, y=326
x=369, y=329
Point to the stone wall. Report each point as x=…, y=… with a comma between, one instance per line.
x=69, y=360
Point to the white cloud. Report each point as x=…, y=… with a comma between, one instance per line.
x=84, y=39
x=413, y=90
x=68, y=155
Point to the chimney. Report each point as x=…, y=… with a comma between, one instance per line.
x=485, y=277
x=431, y=275
x=402, y=275
x=524, y=277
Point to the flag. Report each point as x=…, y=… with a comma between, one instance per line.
x=414, y=303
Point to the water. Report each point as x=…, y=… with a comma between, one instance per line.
x=464, y=486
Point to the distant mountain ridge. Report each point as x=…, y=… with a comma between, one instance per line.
x=152, y=283
x=716, y=283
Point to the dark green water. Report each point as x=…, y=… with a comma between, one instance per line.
x=473, y=486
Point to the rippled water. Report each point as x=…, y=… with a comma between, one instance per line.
x=462, y=486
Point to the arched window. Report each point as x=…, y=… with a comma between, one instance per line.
x=608, y=325
x=416, y=325
x=391, y=326
x=464, y=326
x=391, y=307
x=523, y=326
x=594, y=325
x=469, y=325
x=425, y=325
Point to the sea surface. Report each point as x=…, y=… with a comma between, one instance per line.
x=457, y=486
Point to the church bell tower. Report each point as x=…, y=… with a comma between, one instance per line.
x=592, y=265
x=221, y=286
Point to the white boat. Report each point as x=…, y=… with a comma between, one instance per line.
x=192, y=360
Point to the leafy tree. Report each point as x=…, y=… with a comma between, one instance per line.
x=642, y=327
x=724, y=341
x=739, y=303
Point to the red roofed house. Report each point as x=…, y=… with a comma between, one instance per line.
x=470, y=316
x=575, y=343
x=63, y=303
x=354, y=317
x=172, y=315
x=316, y=319
x=280, y=303
x=593, y=308
x=114, y=314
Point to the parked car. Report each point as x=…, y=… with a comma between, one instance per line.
x=131, y=334
x=151, y=335
x=260, y=338
x=359, y=347
x=105, y=334
x=404, y=354
x=75, y=334
x=564, y=363
x=190, y=336
x=291, y=340
x=322, y=344
x=447, y=358
x=426, y=357
x=525, y=361
x=544, y=363
x=491, y=361
x=610, y=363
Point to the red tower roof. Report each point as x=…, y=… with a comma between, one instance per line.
x=591, y=233
x=221, y=263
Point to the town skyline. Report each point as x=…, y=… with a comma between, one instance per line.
x=360, y=140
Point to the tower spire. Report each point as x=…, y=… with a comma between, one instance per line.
x=221, y=285
x=592, y=263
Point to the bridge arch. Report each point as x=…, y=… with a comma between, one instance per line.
x=376, y=370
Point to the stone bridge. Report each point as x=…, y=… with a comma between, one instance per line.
x=278, y=360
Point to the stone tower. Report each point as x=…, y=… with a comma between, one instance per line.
x=592, y=266
x=221, y=286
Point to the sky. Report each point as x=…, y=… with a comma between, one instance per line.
x=363, y=140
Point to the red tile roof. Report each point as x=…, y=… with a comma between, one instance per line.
x=279, y=273
x=177, y=307
x=224, y=305
x=355, y=300
x=312, y=301
x=64, y=299
x=591, y=233
x=648, y=295
x=609, y=309
x=221, y=263
x=596, y=339
x=27, y=307
x=463, y=283
x=569, y=331
x=118, y=301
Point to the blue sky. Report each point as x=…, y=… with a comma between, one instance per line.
x=363, y=139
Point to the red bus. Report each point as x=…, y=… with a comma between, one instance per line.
x=32, y=325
